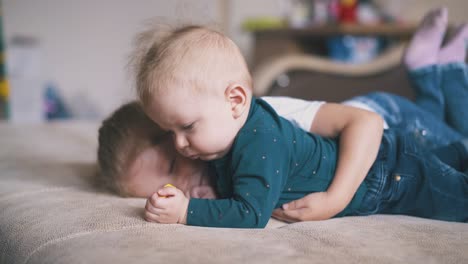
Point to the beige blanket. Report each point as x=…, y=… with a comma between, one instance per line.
x=51, y=213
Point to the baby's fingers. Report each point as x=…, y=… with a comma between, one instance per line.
x=151, y=213
x=157, y=201
x=295, y=215
x=162, y=218
x=280, y=215
x=152, y=209
x=150, y=217
x=168, y=191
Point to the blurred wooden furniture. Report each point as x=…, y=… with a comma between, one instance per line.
x=297, y=58
x=316, y=78
x=269, y=43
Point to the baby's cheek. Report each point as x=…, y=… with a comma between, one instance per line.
x=210, y=195
x=203, y=192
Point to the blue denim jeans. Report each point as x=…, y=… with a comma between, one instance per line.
x=426, y=83
x=442, y=90
x=404, y=115
x=408, y=179
x=438, y=116
x=454, y=82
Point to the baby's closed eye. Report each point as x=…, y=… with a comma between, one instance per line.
x=188, y=126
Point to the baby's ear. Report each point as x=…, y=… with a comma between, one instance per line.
x=237, y=96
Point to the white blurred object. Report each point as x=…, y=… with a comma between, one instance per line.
x=320, y=12
x=24, y=64
x=367, y=14
x=396, y=9
x=299, y=13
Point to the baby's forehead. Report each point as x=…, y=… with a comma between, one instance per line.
x=184, y=90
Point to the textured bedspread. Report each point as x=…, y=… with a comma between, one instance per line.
x=51, y=213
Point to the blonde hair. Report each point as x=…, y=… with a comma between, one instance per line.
x=189, y=56
x=122, y=136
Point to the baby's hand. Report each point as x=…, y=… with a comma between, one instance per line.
x=314, y=206
x=167, y=206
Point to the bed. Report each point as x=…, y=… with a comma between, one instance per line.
x=51, y=212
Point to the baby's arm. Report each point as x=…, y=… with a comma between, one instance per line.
x=250, y=206
x=360, y=134
x=252, y=188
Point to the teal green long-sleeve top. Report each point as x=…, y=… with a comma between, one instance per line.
x=271, y=162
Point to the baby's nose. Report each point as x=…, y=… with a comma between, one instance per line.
x=181, y=142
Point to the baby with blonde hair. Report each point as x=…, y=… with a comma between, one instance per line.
x=195, y=84
x=169, y=63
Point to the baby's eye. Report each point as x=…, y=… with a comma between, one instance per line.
x=188, y=127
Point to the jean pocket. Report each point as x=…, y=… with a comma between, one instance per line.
x=409, y=146
x=421, y=160
x=398, y=184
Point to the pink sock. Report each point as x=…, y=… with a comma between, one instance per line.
x=424, y=46
x=455, y=50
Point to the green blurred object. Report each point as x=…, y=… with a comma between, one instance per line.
x=3, y=80
x=262, y=23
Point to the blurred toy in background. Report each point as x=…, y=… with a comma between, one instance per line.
x=353, y=49
x=299, y=13
x=55, y=107
x=330, y=14
x=320, y=12
x=334, y=11
x=348, y=11
x=303, y=13
x=369, y=13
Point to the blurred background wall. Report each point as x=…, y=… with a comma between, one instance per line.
x=84, y=44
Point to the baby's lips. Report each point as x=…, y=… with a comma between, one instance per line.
x=167, y=185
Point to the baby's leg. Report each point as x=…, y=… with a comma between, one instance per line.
x=421, y=58
x=400, y=113
x=427, y=85
x=455, y=88
x=455, y=155
x=454, y=81
x=420, y=184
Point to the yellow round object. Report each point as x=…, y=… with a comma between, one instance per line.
x=167, y=185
